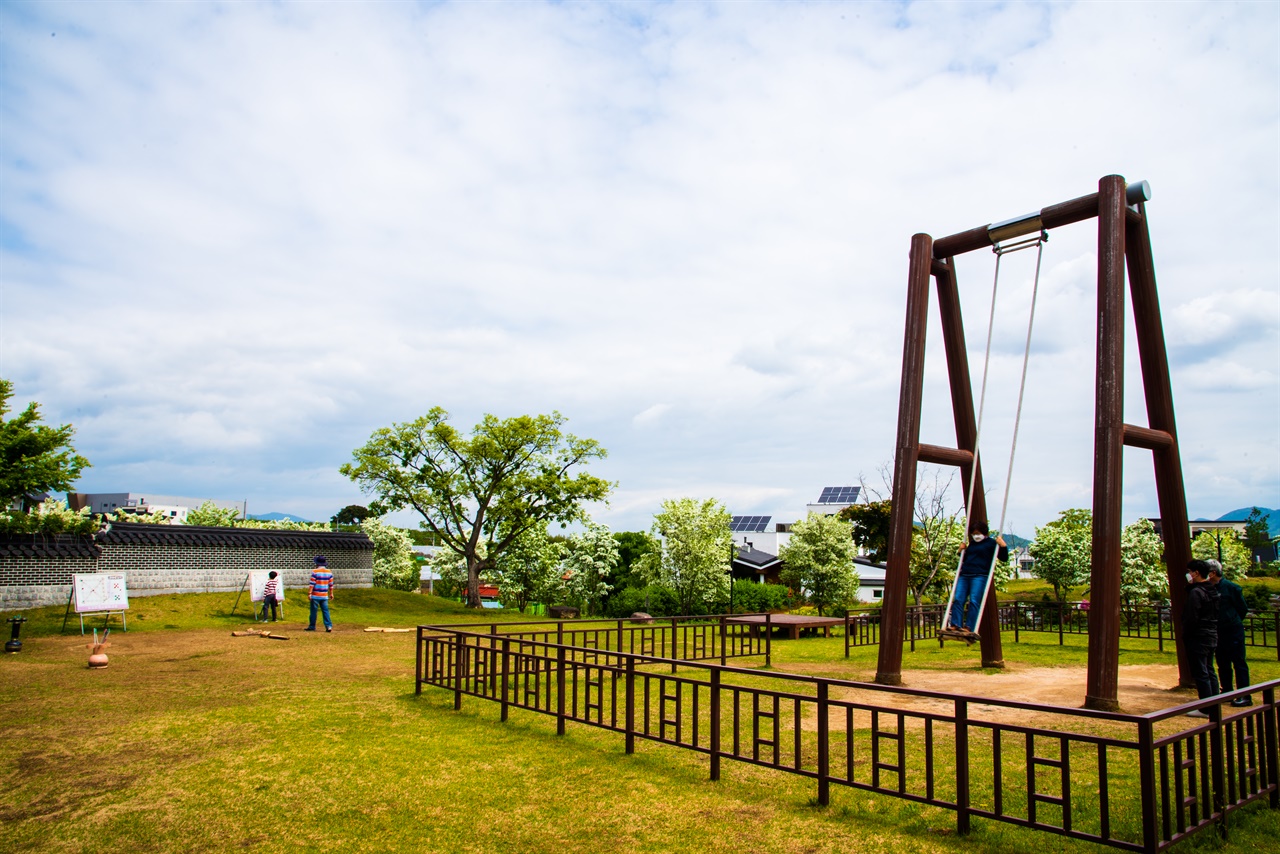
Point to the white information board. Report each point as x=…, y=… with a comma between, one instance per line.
x=100, y=592
x=258, y=581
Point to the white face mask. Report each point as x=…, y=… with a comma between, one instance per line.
x=977, y=538
x=1189, y=578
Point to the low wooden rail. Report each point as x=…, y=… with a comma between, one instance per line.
x=1131, y=782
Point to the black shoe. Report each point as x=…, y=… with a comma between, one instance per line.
x=1239, y=702
x=309, y=629
x=328, y=629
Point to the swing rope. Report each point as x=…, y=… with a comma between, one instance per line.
x=1000, y=251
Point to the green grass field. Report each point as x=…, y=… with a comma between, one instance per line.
x=194, y=740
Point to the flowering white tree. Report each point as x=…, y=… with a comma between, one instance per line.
x=1063, y=550
x=1235, y=556
x=393, y=562
x=589, y=559
x=819, y=560
x=529, y=569
x=1142, y=571
x=697, y=548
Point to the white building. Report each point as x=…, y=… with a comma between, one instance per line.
x=173, y=506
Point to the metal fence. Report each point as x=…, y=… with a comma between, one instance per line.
x=1132, y=782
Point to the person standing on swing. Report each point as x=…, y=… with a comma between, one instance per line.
x=976, y=562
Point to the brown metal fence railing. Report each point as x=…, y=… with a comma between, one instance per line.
x=1132, y=782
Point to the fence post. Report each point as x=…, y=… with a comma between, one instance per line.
x=1059, y=624
x=1272, y=746
x=768, y=640
x=824, y=759
x=962, y=767
x=506, y=675
x=417, y=666
x=674, y=656
x=560, y=690
x=631, y=704
x=1160, y=628
x=493, y=646
x=1217, y=769
x=1147, y=782
x=724, y=639
x=715, y=725
x=459, y=657
x=846, y=634
x=1017, y=622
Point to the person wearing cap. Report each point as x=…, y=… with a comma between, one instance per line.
x=1200, y=630
x=1230, y=653
x=321, y=593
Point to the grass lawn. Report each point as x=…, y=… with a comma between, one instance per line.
x=193, y=740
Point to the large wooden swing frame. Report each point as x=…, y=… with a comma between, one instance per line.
x=1123, y=240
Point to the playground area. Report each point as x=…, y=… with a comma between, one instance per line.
x=185, y=713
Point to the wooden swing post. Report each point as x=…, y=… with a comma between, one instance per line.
x=1123, y=238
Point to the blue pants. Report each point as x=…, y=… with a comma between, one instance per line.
x=323, y=606
x=968, y=590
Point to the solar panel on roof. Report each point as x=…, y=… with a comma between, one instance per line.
x=839, y=495
x=748, y=524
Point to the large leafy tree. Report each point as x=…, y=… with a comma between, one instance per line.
x=478, y=493
x=34, y=457
x=1222, y=545
x=696, y=551
x=818, y=559
x=1142, y=572
x=870, y=523
x=589, y=560
x=1063, y=550
x=529, y=569
x=1257, y=533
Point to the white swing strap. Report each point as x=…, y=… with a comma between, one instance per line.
x=1000, y=250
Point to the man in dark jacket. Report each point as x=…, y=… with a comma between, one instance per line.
x=1200, y=629
x=1231, y=613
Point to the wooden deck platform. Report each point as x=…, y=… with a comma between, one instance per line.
x=792, y=623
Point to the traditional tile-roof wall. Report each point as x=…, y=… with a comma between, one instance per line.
x=132, y=533
x=48, y=546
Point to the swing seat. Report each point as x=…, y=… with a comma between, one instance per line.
x=959, y=634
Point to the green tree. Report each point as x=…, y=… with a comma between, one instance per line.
x=1142, y=571
x=589, y=560
x=1063, y=550
x=1257, y=533
x=34, y=457
x=632, y=547
x=871, y=527
x=696, y=551
x=1222, y=545
x=352, y=514
x=935, y=555
x=393, y=562
x=529, y=569
x=818, y=559
x=478, y=493
x=211, y=515
x=47, y=517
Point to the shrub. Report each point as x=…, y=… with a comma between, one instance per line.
x=654, y=599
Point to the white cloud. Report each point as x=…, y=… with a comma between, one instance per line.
x=264, y=230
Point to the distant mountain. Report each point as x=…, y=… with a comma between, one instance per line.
x=1272, y=517
x=1016, y=542
x=276, y=517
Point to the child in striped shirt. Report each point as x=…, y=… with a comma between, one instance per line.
x=270, y=595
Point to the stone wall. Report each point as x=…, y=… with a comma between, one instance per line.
x=36, y=570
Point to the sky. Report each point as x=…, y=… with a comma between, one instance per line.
x=237, y=238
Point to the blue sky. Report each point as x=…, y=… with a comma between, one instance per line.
x=236, y=238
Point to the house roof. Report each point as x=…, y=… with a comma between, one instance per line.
x=754, y=558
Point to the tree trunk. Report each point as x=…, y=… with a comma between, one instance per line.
x=473, y=583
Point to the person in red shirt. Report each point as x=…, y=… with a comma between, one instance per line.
x=321, y=594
